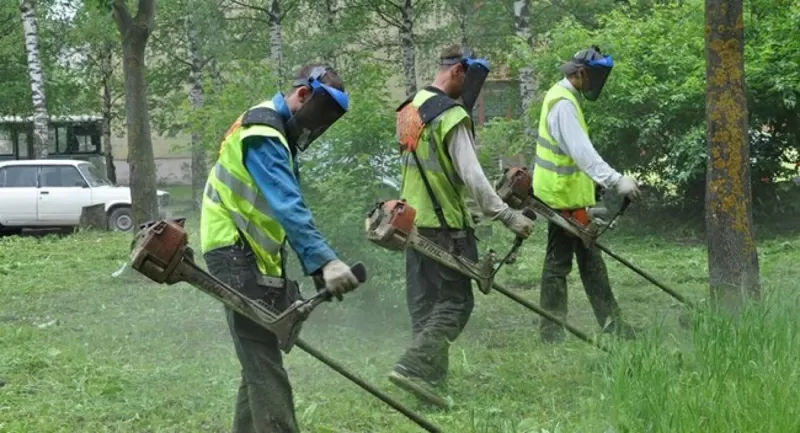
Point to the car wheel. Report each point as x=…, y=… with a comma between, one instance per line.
x=120, y=219
x=10, y=231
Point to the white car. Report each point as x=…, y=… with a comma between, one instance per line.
x=46, y=193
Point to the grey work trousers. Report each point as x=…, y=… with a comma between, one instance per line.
x=265, y=402
x=440, y=302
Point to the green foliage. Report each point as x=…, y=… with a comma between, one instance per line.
x=650, y=118
x=250, y=83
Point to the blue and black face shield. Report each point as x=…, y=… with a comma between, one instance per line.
x=325, y=106
x=476, y=70
x=597, y=67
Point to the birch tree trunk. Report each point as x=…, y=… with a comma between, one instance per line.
x=330, y=20
x=525, y=77
x=462, y=24
x=27, y=10
x=276, y=41
x=135, y=32
x=216, y=75
x=732, y=257
x=409, y=50
x=196, y=99
x=107, y=72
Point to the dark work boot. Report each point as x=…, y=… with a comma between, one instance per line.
x=550, y=332
x=419, y=387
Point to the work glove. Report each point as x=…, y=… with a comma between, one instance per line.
x=628, y=187
x=338, y=278
x=518, y=223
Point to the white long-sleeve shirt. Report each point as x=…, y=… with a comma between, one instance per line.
x=461, y=147
x=564, y=127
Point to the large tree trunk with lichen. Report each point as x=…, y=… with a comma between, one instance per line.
x=36, y=77
x=135, y=32
x=732, y=257
x=409, y=50
x=276, y=41
x=196, y=99
x=527, y=85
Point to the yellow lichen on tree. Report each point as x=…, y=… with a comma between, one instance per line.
x=732, y=255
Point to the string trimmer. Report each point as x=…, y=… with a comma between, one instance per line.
x=161, y=253
x=391, y=225
x=515, y=188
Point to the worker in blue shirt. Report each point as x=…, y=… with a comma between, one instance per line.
x=269, y=164
x=253, y=207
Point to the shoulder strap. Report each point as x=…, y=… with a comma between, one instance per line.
x=434, y=106
x=266, y=117
x=437, y=207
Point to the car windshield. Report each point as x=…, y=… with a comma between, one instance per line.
x=93, y=175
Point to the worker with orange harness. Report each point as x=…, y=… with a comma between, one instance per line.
x=565, y=172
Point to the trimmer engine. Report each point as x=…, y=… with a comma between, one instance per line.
x=390, y=224
x=158, y=250
x=515, y=187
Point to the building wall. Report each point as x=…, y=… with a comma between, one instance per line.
x=169, y=171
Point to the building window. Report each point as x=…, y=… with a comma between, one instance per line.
x=498, y=99
x=6, y=141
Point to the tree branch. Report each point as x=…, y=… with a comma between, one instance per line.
x=291, y=5
x=169, y=53
x=122, y=16
x=248, y=18
x=396, y=6
x=256, y=8
x=5, y=25
x=588, y=23
x=387, y=19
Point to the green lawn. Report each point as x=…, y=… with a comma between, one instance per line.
x=82, y=351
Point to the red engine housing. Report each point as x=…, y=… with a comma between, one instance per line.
x=515, y=187
x=159, y=249
x=390, y=224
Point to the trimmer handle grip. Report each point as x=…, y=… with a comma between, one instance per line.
x=358, y=269
x=529, y=213
x=625, y=203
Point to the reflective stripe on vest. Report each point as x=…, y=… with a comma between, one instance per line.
x=557, y=179
x=243, y=224
x=241, y=189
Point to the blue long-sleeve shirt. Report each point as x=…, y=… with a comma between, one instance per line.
x=269, y=162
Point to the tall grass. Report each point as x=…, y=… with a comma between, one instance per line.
x=728, y=375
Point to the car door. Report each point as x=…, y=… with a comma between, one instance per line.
x=18, y=195
x=63, y=192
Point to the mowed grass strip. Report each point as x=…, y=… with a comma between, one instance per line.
x=82, y=351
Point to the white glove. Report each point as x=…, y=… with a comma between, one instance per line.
x=627, y=186
x=518, y=223
x=338, y=277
